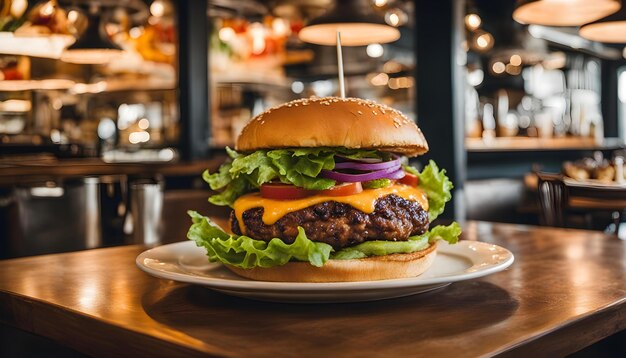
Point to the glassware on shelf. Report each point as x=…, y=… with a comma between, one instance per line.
x=489, y=122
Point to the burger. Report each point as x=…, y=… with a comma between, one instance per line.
x=321, y=191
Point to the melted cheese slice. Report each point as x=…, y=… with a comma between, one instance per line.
x=365, y=201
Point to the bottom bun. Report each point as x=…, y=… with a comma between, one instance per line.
x=366, y=269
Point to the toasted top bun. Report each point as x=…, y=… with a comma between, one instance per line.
x=367, y=269
x=333, y=122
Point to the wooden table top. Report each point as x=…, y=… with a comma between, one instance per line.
x=566, y=290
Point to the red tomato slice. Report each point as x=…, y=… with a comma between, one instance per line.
x=281, y=191
x=343, y=189
x=409, y=179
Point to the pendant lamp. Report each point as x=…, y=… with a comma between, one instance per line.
x=359, y=26
x=563, y=12
x=608, y=29
x=94, y=46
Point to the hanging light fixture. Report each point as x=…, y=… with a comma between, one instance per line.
x=94, y=46
x=472, y=21
x=563, y=12
x=608, y=29
x=358, y=26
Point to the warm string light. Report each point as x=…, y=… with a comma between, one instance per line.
x=400, y=82
x=515, y=60
x=396, y=17
x=478, y=39
x=157, y=8
x=483, y=41
x=472, y=21
x=512, y=65
x=394, y=83
x=297, y=87
x=380, y=79
x=18, y=7
x=498, y=67
x=375, y=50
x=380, y=3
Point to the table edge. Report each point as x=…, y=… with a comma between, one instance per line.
x=13, y=304
x=559, y=339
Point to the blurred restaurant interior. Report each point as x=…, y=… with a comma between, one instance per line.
x=104, y=104
x=110, y=110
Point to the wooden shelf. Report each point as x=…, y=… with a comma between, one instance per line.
x=49, y=169
x=105, y=86
x=501, y=144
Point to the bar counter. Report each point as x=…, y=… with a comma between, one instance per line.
x=565, y=290
x=29, y=170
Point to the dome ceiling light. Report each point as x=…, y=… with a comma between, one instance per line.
x=563, y=12
x=610, y=29
x=94, y=46
x=358, y=26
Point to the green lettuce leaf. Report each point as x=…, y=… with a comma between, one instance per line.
x=244, y=252
x=236, y=188
x=231, y=153
x=437, y=187
x=219, y=179
x=298, y=166
x=361, y=153
x=380, y=248
x=410, y=169
x=301, y=168
x=448, y=233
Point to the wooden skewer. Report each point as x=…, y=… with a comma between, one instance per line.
x=342, y=85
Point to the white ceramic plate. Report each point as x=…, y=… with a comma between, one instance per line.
x=185, y=262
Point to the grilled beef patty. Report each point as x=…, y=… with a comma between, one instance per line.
x=340, y=225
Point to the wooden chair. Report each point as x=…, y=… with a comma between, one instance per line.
x=552, y=199
x=559, y=198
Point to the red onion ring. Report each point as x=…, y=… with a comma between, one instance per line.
x=389, y=173
x=398, y=174
x=368, y=166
